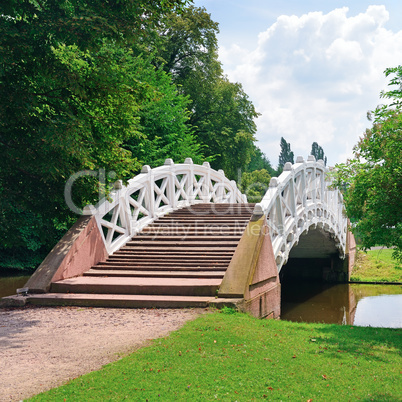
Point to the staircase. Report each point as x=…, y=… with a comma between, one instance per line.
x=177, y=261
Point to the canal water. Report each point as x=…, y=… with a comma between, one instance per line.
x=349, y=304
x=9, y=284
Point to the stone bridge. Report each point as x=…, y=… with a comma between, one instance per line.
x=183, y=235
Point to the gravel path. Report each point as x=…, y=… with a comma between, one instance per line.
x=43, y=347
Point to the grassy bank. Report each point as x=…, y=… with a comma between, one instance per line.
x=376, y=266
x=231, y=357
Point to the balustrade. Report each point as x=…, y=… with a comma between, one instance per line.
x=299, y=199
x=156, y=192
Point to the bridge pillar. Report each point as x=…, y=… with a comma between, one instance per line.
x=341, y=268
x=350, y=253
x=79, y=249
x=251, y=281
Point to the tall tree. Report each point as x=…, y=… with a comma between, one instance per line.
x=286, y=155
x=187, y=45
x=69, y=99
x=372, y=181
x=221, y=114
x=226, y=126
x=163, y=118
x=318, y=152
x=260, y=161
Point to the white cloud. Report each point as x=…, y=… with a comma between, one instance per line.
x=313, y=77
x=342, y=50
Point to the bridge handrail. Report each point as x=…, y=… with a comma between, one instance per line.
x=298, y=199
x=156, y=192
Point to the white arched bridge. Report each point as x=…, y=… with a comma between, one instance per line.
x=184, y=235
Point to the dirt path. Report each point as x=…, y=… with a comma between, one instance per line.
x=41, y=348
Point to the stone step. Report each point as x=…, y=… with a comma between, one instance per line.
x=217, y=206
x=221, y=205
x=207, y=214
x=175, y=249
x=189, y=238
x=239, y=214
x=138, y=286
x=184, y=243
x=172, y=263
x=165, y=263
x=200, y=215
x=155, y=274
x=177, y=261
x=195, y=226
x=161, y=267
x=170, y=257
x=118, y=300
x=197, y=223
x=213, y=211
x=214, y=220
x=190, y=233
x=167, y=257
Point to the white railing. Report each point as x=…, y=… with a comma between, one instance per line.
x=155, y=192
x=300, y=198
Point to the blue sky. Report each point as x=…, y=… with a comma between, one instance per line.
x=312, y=68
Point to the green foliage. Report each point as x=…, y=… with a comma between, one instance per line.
x=227, y=128
x=286, y=155
x=372, y=181
x=72, y=93
x=163, y=121
x=228, y=310
x=255, y=184
x=318, y=152
x=111, y=86
x=233, y=357
x=260, y=161
x=71, y=115
x=188, y=47
x=221, y=115
x=84, y=22
x=21, y=259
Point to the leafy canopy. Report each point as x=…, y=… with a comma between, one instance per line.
x=260, y=161
x=372, y=180
x=73, y=91
x=255, y=184
x=220, y=113
x=106, y=86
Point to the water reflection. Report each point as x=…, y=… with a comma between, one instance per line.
x=375, y=311
x=364, y=305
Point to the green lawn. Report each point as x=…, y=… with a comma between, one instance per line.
x=376, y=266
x=234, y=357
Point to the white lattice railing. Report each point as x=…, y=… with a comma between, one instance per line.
x=155, y=192
x=298, y=199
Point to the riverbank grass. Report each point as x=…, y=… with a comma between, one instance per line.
x=376, y=266
x=231, y=357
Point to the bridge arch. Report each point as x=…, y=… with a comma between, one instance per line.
x=299, y=200
x=90, y=262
